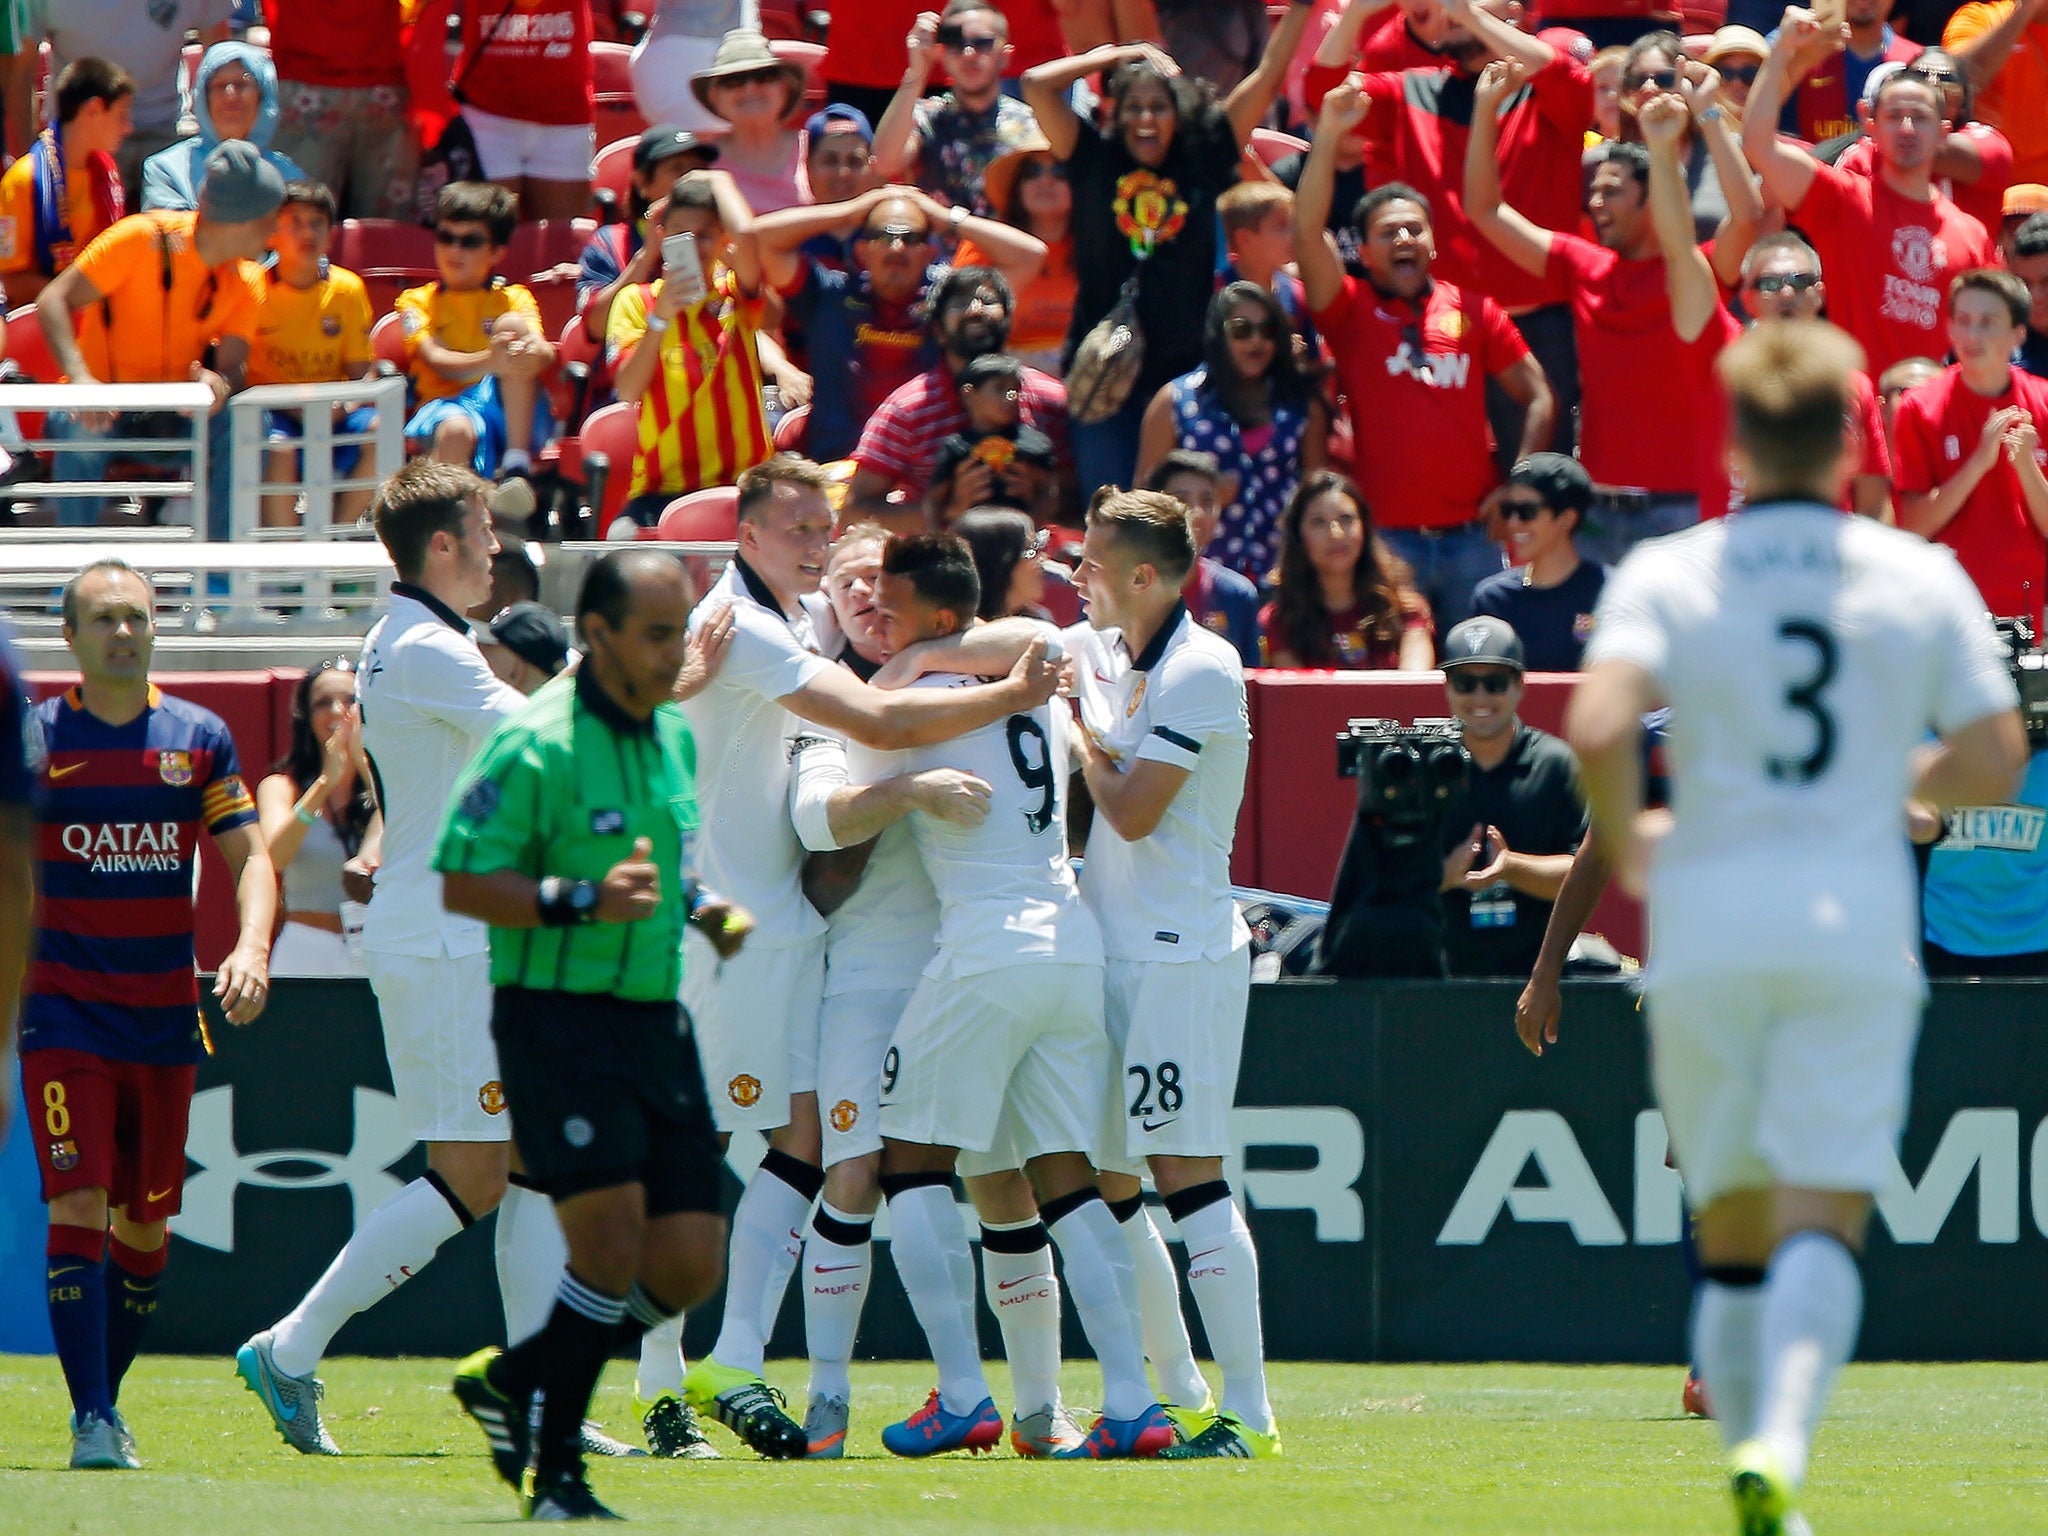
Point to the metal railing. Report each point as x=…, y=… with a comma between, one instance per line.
x=317, y=483
x=194, y=401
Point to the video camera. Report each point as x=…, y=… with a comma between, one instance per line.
x=2029, y=664
x=1406, y=774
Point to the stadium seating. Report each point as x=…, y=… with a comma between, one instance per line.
x=387, y=343
x=812, y=57
x=618, y=115
x=613, y=432
x=792, y=431
x=702, y=517
x=1273, y=146
x=612, y=171
x=389, y=255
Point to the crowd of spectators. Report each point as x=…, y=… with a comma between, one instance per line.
x=1415, y=302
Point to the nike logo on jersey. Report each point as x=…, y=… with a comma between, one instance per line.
x=1196, y=1258
x=1159, y=1125
x=159, y=1194
x=65, y=772
x=1009, y=1285
x=831, y=1269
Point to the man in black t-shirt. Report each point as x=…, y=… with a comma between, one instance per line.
x=1549, y=596
x=1509, y=835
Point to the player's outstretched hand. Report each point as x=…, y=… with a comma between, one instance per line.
x=632, y=887
x=953, y=796
x=1038, y=678
x=704, y=654
x=724, y=924
x=243, y=984
x=1536, y=1012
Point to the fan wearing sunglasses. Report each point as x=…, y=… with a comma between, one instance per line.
x=948, y=139
x=1973, y=165
x=1549, y=596
x=1508, y=836
x=1725, y=207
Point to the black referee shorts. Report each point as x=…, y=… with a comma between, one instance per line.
x=604, y=1092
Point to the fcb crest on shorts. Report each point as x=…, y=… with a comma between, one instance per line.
x=174, y=768
x=63, y=1155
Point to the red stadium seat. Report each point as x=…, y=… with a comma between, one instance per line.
x=387, y=343
x=702, y=517
x=793, y=430
x=539, y=244
x=783, y=19
x=1272, y=146
x=612, y=170
x=615, y=433
x=812, y=57
x=389, y=255
x=573, y=347
x=617, y=114
x=29, y=350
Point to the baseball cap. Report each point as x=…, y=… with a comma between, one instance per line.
x=2024, y=198
x=1558, y=478
x=533, y=634
x=239, y=186
x=840, y=118
x=665, y=140
x=1728, y=42
x=1482, y=641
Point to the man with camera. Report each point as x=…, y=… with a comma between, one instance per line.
x=1508, y=835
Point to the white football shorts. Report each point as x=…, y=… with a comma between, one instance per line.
x=1176, y=1035
x=1014, y=1053
x=437, y=1036
x=756, y=1021
x=854, y=1030
x=1783, y=1079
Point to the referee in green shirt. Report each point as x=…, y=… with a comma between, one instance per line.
x=570, y=836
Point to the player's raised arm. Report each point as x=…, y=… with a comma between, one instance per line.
x=987, y=650
x=891, y=722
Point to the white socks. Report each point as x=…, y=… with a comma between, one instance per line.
x=392, y=1246
x=767, y=1236
x=1021, y=1289
x=1104, y=1284
x=1223, y=1274
x=531, y=1255
x=930, y=1250
x=1727, y=1347
x=837, y=1262
x=661, y=1361
x=1166, y=1331
x=1812, y=1310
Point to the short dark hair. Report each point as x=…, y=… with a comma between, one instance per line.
x=312, y=194
x=693, y=190
x=965, y=7
x=1184, y=461
x=1632, y=158
x=1001, y=539
x=757, y=485
x=90, y=79
x=1151, y=525
x=939, y=568
x=479, y=202
x=110, y=563
x=512, y=557
x=958, y=286
x=1905, y=76
x=989, y=368
x=1387, y=192
x=2000, y=284
x=2031, y=238
x=1769, y=245
x=424, y=498
x=608, y=584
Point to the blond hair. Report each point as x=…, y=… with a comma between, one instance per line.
x=1790, y=396
x=1151, y=526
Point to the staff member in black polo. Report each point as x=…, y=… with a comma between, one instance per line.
x=1508, y=836
x=570, y=836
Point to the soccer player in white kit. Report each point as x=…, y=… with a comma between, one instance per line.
x=756, y=1016
x=1165, y=738
x=427, y=698
x=1001, y=1047
x=1805, y=655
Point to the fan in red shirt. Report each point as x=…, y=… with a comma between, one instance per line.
x=1969, y=451
x=1649, y=398
x=1973, y=166
x=1385, y=37
x=1892, y=240
x=1416, y=350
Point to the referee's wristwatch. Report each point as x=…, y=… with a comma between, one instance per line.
x=566, y=903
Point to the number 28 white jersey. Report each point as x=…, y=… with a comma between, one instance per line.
x=1805, y=656
x=1006, y=891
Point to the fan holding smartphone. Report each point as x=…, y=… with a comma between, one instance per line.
x=688, y=351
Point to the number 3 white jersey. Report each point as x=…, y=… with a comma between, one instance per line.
x=1805, y=655
x=1006, y=891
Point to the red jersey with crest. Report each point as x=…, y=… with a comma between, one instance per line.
x=117, y=845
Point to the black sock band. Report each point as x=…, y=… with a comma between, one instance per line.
x=1124, y=1210
x=807, y=1179
x=441, y=1188
x=894, y=1184
x=847, y=1234
x=576, y=1342
x=1052, y=1212
x=1183, y=1203
x=1029, y=1239
x=1741, y=1277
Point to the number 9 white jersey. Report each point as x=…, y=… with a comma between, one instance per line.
x=1805, y=656
x=1006, y=891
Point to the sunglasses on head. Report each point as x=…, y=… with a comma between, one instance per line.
x=1239, y=328
x=470, y=240
x=957, y=39
x=1798, y=282
x=1741, y=74
x=1936, y=76
x=1521, y=509
x=1663, y=79
x=1463, y=680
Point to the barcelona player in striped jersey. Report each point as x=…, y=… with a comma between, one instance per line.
x=111, y=1034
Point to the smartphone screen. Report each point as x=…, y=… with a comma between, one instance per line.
x=679, y=264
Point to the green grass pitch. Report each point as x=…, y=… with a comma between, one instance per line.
x=1452, y=1449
